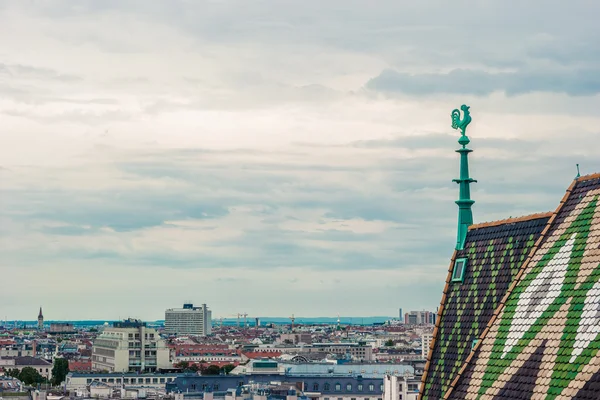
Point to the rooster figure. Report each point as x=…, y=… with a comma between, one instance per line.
x=457, y=123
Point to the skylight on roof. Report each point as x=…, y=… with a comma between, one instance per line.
x=458, y=273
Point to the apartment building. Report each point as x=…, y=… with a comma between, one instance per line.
x=129, y=346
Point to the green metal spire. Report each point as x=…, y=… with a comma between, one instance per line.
x=464, y=202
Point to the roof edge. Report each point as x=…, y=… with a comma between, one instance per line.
x=588, y=177
x=434, y=336
x=529, y=217
x=513, y=284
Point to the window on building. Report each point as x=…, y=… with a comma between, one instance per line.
x=204, y=386
x=103, y=379
x=118, y=380
x=371, y=387
x=381, y=388
x=216, y=387
x=193, y=386
x=154, y=380
x=458, y=273
x=360, y=387
x=338, y=387
x=111, y=380
x=147, y=380
x=349, y=387
x=169, y=379
x=327, y=387
x=315, y=387
x=125, y=380
x=88, y=380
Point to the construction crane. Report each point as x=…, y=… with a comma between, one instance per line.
x=293, y=319
x=245, y=315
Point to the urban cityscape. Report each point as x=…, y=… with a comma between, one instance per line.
x=316, y=200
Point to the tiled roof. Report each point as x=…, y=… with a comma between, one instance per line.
x=494, y=253
x=28, y=360
x=542, y=341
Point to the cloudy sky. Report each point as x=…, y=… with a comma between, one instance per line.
x=274, y=157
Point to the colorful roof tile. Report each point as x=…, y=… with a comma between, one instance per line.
x=543, y=339
x=493, y=253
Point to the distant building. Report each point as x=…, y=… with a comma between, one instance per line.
x=295, y=338
x=401, y=387
x=40, y=320
x=188, y=320
x=79, y=381
x=317, y=381
x=419, y=318
x=425, y=343
x=400, y=315
x=62, y=327
x=40, y=365
x=129, y=346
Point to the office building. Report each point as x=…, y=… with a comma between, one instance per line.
x=188, y=320
x=129, y=346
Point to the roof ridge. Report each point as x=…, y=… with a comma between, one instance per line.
x=588, y=177
x=512, y=220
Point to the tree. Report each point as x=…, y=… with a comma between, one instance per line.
x=389, y=343
x=30, y=376
x=13, y=372
x=212, y=370
x=60, y=371
x=182, y=364
x=228, y=368
x=194, y=368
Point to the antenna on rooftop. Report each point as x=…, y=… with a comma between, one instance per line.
x=578, y=174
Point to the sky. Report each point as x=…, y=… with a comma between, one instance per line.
x=275, y=157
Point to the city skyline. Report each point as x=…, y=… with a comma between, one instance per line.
x=286, y=159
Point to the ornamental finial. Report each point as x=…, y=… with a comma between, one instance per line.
x=457, y=123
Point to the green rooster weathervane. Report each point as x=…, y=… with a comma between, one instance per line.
x=464, y=202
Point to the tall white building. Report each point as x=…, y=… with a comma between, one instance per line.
x=425, y=344
x=189, y=320
x=129, y=346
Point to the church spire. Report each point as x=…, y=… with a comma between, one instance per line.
x=464, y=202
x=40, y=319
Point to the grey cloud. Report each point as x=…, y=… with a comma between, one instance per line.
x=481, y=83
x=28, y=71
x=78, y=116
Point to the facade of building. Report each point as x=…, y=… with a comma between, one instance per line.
x=397, y=387
x=79, y=381
x=129, y=346
x=426, y=344
x=61, y=327
x=419, y=318
x=295, y=338
x=519, y=313
x=315, y=387
x=188, y=320
x=40, y=365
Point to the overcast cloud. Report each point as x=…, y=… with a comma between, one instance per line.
x=274, y=157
